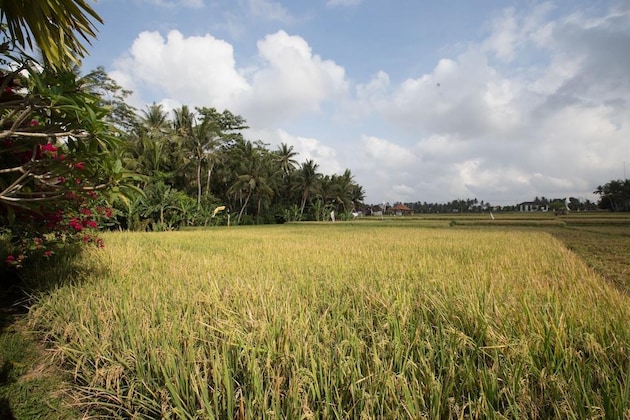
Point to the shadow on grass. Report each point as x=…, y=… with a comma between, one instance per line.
x=21, y=353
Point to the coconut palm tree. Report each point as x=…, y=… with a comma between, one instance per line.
x=147, y=147
x=285, y=157
x=308, y=182
x=58, y=28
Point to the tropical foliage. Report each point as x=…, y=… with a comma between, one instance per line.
x=59, y=165
x=615, y=195
x=204, y=155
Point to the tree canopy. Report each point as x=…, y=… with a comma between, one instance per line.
x=614, y=195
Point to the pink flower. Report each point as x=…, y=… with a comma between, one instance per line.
x=74, y=223
x=47, y=254
x=33, y=123
x=86, y=212
x=79, y=165
x=48, y=148
x=10, y=259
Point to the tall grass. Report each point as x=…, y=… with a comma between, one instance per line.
x=343, y=321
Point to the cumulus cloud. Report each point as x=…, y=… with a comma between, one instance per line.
x=201, y=70
x=290, y=79
x=198, y=70
x=386, y=153
x=311, y=148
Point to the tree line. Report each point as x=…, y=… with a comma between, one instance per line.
x=192, y=161
x=480, y=206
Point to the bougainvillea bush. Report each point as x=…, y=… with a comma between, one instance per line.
x=59, y=160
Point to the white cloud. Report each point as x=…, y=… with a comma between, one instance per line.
x=512, y=31
x=387, y=154
x=405, y=192
x=290, y=79
x=311, y=148
x=194, y=70
x=201, y=70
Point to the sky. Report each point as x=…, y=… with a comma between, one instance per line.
x=432, y=101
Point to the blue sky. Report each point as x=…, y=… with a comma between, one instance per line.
x=422, y=100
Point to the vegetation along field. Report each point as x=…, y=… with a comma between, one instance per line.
x=383, y=319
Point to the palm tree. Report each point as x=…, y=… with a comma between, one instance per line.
x=357, y=195
x=284, y=156
x=57, y=27
x=308, y=182
x=249, y=178
x=147, y=147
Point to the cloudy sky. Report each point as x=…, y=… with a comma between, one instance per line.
x=422, y=100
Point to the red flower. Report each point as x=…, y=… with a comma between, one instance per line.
x=74, y=223
x=48, y=149
x=47, y=254
x=79, y=165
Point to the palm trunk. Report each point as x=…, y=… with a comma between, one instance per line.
x=238, y=221
x=198, y=182
x=208, y=179
x=304, y=198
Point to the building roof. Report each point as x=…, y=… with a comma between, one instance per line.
x=401, y=207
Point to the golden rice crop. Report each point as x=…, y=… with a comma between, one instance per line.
x=341, y=321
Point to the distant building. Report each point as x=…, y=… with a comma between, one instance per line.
x=528, y=206
x=401, y=210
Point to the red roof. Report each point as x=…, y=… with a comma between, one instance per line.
x=401, y=207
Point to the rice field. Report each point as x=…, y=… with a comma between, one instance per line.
x=345, y=320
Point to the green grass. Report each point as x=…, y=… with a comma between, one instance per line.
x=391, y=319
x=30, y=386
x=604, y=248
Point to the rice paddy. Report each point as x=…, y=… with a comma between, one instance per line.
x=345, y=320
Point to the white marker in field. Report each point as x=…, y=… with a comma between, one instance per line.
x=217, y=210
x=332, y=216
